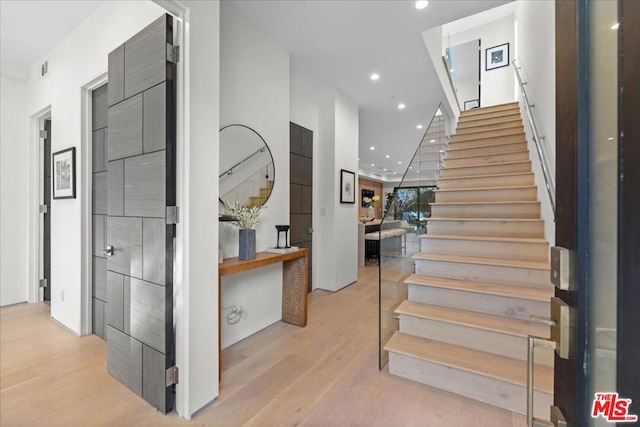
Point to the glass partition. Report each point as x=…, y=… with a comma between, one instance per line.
x=404, y=221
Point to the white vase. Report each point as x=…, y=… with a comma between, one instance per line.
x=371, y=212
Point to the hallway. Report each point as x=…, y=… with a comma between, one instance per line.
x=323, y=375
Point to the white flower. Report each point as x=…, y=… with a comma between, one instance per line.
x=244, y=217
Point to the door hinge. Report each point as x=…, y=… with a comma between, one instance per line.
x=42, y=283
x=173, y=53
x=172, y=215
x=44, y=209
x=172, y=376
x=43, y=134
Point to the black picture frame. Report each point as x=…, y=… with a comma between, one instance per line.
x=366, y=193
x=496, y=57
x=63, y=173
x=474, y=103
x=347, y=186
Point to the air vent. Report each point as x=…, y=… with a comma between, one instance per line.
x=44, y=69
x=378, y=175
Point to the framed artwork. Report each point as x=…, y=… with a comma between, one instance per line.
x=497, y=57
x=366, y=193
x=64, y=174
x=347, y=186
x=474, y=103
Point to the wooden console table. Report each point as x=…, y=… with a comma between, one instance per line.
x=295, y=282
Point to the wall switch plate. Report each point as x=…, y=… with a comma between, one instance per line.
x=563, y=268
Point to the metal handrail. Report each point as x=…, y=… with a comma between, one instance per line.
x=230, y=170
x=548, y=178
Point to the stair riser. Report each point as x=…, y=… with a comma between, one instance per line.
x=489, y=110
x=472, y=136
x=487, y=170
x=488, y=141
x=528, y=194
x=487, y=228
x=487, y=182
x=480, y=126
x=486, y=150
x=528, y=277
x=518, y=156
x=477, y=339
x=489, y=121
x=264, y=192
x=474, y=386
x=489, y=249
x=393, y=289
x=515, y=210
x=514, y=308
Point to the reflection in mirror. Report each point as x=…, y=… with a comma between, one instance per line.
x=246, y=166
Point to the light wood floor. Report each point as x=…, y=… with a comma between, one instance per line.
x=323, y=375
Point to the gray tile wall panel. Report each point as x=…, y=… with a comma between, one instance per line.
x=155, y=118
x=114, y=314
x=300, y=224
x=153, y=259
x=307, y=143
x=154, y=377
x=99, y=273
x=125, y=235
x=145, y=58
x=99, y=99
x=295, y=138
x=98, y=317
x=116, y=76
x=307, y=199
x=145, y=186
x=295, y=197
x=147, y=313
x=125, y=129
x=124, y=359
x=99, y=235
x=116, y=188
x=301, y=170
x=99, y=193
x=98, y=150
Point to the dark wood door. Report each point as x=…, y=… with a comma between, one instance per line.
x=301, y=185
x=99, y=207
x=141, y=189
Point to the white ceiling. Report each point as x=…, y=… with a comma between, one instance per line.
x=30, y=29
x=338, y=44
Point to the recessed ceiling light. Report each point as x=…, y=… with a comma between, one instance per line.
x=375, y=76
x=615, y=26
x=417, y=171
x=399, y=163
x=410, y=167
x=401, y=106
x=395, y=173
x=372, y=164
x=421, y=4
x=372, y=148
x=419, y=127
x=610, y=139
x=385, y=169
x=387, y=156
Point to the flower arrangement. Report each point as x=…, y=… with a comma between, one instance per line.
x=370, y=201
x=244, y=217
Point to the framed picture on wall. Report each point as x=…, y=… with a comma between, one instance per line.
x=347, y=186
x=64, y=174
x=366, y=193
x=497, y=57
x=474, y=103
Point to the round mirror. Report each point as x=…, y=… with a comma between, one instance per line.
x=246, y=166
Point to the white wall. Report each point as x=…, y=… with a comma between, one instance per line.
x=76, y=60
x=433, y=41
x=535, y=52
x=497, y=84
x=254, y=91
x=14, y=176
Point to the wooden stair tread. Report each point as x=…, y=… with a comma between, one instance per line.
x=486, y=219
x=514, y=117
x=496, y=289
x=483, y=238
x=490, y=154
x=515, y=187
x=457, y=140
x=534, y=265
x=518, y=125
x=471, y=121
x=452, y=147
x=388, y=304
x=479, y=362
x=480, y=110
x=487, y=164
x=497, y=175
x=487, y=322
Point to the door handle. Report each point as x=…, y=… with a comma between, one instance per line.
x=108, y=251
x=310, y=230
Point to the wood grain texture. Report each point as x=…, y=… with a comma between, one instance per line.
x=124, y=356
x=98, y=319
x=99, y=278
x=154, y=119
x=116, y=76
x=125, y=235
x=99, y=193
x=294, y=291
x=262, y=259
x=98, y=149
x=154, y=235
x=98, y=225
x=146, y=309
x=115, y=304
x=145, y=56
x=116, y=188
x=153, y=377
x=125, y=129
x=145, y=185
x=99, y=104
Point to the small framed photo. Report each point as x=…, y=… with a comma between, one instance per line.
x=347, y=186
x=474, y=103
x=497, y=57
x=64, y=174
x=367, y=193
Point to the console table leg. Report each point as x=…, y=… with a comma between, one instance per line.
x=294, y=291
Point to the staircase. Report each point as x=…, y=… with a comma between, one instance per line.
x=262, y=198
x=483, y=270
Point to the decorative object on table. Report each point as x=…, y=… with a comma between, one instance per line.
x=64, y=174
x=347, y=186
x=469, y=105
x=286, y=248
x=246, y=218
x=370, y=203
x=496, y=57
x=366, y=194
x=364, y=218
